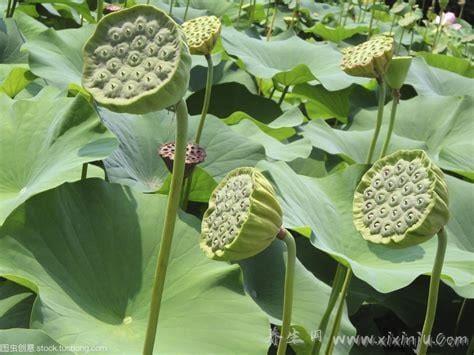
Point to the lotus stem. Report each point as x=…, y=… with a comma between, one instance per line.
x=252, y=11
x=379, y=119
x=100, y=9
x=207, y=97
x=459, y=317
x=240, y=9
x=294, y=16
x=288, y=293
x=272, y=23
x=400, y=41
x=283, y=94
x=393, y=113
x=171, y=7
x=433, y=292
x=393, y=23
x=267, y=13
x=411, y=40
x=9, y=5
x=461, y=11
x=340, y=308
x=438, y=32
x=272, y=92
x=205, y=107
x=11, y=8
x=84, y=171
x=372, y=10
x=168, y=227
x=335, y=290
x=186, y=10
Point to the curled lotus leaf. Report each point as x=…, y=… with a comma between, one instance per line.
x=414, y=202
x=137, y=61
x=243, y=217
x=369, y=59
x=202, y=34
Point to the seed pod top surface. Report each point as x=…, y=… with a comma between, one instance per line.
x=202, y=34
x=369, y=59
x=136, y=61
x=402, y=200
x=243, y=217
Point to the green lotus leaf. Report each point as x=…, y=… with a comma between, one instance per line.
x=271, y=60
x=443, y=127
x=432, y=81
x=43, y=142
x=57, y=55
x=202, y=34
x=15, y=305
x=136, y=61
x=369, y=59
x=243, y=216
x=24, y=341
x=136, y=162
x=331, y=229
x=402, y=200
x=89, y=250
x=338, y=33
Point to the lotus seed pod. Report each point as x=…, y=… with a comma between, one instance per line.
x=402, y=200
x=369, y=59
x=194, y=156
x=397, y=72
x=127, y=45
x=202, y=34
x=251, y=216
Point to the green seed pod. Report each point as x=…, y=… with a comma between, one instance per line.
x=202, y=34
x=369, y=59
x=414, y=206
x=243, y=217
x=397, y=72
x=125, y=49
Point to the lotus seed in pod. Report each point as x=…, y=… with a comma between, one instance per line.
x=202, y=34
x=402, y=200
x=369, y=59
x=248, y=214
x=136, y=61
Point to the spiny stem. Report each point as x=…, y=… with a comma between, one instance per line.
x=100, y=9
x=340, y=308
x=84, y=171
x=378, y=124
x=168, y=227
x=207, y=97
x=288, y=293
x=393, y=113
x=186, y=10
x=283, y=94
x=433, y=292
x=336, y=288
